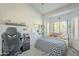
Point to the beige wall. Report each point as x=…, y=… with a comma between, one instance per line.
x=19, y=13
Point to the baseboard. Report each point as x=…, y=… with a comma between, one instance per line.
x=74, y=48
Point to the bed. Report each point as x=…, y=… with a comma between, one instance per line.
x=51, y=46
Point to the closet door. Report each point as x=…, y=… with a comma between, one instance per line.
x=75, y=41
x=70, y=30
x=76, y=28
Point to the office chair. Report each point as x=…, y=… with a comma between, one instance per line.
x=11, y=43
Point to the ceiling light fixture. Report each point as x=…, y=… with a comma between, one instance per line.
x=42, y=3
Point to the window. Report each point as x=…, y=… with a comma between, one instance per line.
x=47, y=28
x=63, y=26
x=56, y=27
x=51, y=27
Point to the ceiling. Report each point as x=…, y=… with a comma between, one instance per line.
x=44, y=8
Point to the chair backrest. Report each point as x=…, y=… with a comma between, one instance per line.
x=11, y=40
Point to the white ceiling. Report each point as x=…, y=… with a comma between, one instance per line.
x=47, y=7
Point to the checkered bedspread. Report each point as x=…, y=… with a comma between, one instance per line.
x=51, y=47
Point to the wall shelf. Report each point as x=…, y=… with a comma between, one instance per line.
x=15, y=24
